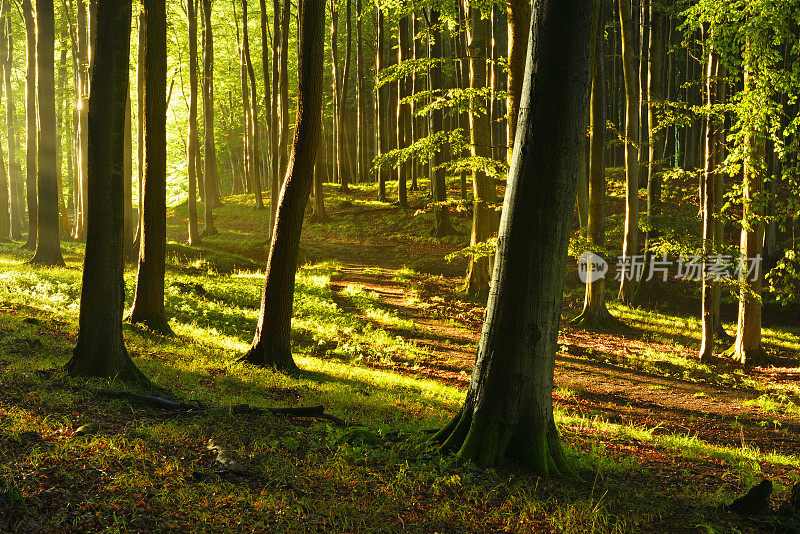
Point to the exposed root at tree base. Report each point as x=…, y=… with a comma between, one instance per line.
x=597, y=319
x=489, y=443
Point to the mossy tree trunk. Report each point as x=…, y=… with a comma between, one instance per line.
x=148, y=301
x=508, y=412
x=271, y=343
x=101, y=350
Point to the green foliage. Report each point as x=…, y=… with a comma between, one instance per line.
x=784, y=279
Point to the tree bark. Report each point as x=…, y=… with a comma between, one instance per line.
x=82, y=90
x=101, y=350
x=630, y=244
x=747, y=349
x=268, y=112
x=595, y=313
x=271, y=343
x=128, y=248
x=277, y=179
x=508, y=412
x=30, y=123
x=148, y=301
x=48, y=246
x=286, y=14
x=441, y=215
x=403, y=111
x=13, y=166
x=211, y=172
x=383, y=104
x=484, y=215
x=519, y=20
x=192, y=136
x=255, y=134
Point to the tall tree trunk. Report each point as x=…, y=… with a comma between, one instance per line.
x=499, y=46
x=277, y=179
x=271, y=343
x=403, y=110
x=192, y=137
x=595, y=313
x=30, y=123
x=345, y=168
x=140, y=105
x=643, y=69
x=361, y=83
x=747, y=349
x=210, y=148
x=319, y=215
x=441, y=215
x=6, y=198
x=82, y=90
x=508, y=412
x=268, y=112
x=128, y=249
x=630, y=244
x=484, y=214
x=286, y=15
x=383, y=108
x=255, y=134
x=519, y=19
x=148, y=301
x=712, y=201
x=101, y=350
x=11, y=131
x=63, y=217
x=48, y=246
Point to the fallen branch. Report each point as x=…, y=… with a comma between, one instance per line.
x=180, y=408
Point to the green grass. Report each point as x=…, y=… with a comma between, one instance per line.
x=144, y=472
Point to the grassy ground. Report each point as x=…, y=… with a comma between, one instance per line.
x=385, y=340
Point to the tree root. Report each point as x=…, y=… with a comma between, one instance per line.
x=180, y=408
x=598, y=319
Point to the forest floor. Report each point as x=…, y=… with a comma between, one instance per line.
x=386, y=340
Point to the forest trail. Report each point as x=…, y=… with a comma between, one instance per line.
x=587, y=381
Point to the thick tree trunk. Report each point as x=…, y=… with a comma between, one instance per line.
x=48, y=246
x=30, y=123
x=11, y=130
x=630, y=244
x=519, y=19
x=484, y=214
x=192, y=136
x=148, y=301
x=101, y=350
x=271, y=343
x=508, y=412
x=595, y=313
x=211, y=172
x=441, y=215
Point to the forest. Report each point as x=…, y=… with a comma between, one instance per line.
x=400, y=265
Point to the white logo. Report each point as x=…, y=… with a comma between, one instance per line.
x=591, y=267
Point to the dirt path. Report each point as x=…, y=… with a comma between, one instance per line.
x=586, y=384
